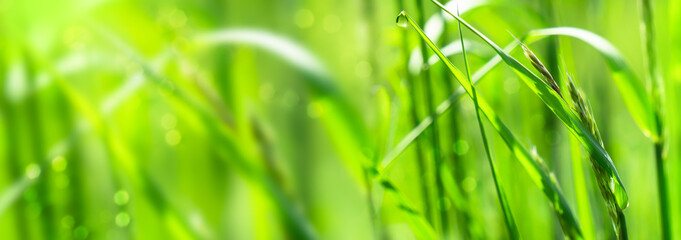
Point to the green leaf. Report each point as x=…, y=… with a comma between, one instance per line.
x=416, y=221
x=603, y=163
x=532, y=163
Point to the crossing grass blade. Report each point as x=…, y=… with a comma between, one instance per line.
x=422, y=229
x=444, y=106
x=508, y=214
x=630, y=86
x=561, y=109
x=532, y=163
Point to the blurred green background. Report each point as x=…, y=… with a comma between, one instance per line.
x=266, y=119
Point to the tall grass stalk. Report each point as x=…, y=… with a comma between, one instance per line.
x=14, y=167
x=656, y=95
x=413, y=113
x=463, y=216
x=508, y=215
x=434, y=133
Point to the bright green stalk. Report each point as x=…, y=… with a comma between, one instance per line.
x=369, y=6
x=7, y=196
x=656, y=95
x=463, y=213
x=508, y=215
x=581, y=192
x=420, y=162
x=578, y=177
x=435, y=138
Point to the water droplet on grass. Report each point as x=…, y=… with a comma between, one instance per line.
x=67, y=221
x=81, y=232
x=122, y=219
x=402, y=20
x=121, y=197
x=620, y=194
x=33, y=171
x=59, y=164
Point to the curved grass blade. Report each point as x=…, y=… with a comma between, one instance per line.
x=532, y=163
x=622, y=73
x=341, y=119
x=656, y=84
x=417, y=222
x=631, y=88
x=443, y=107
x=561, y=109
x=508, y=214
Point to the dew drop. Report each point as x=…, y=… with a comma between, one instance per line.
x=59, y=164
x=461, y=147
x=33, y=171
x=402, y=20
x=67, y=221
x=121, y=197
x=620, y=194
x=81, y=232
x=173, y=137
x=122, y=219
x=469, y=184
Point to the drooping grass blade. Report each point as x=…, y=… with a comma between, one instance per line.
x=532, y=163
x=603, y=163
x=630, y=87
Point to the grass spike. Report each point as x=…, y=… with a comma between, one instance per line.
x=583, y=109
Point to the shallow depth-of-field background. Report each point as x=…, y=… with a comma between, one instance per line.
x=293, y=119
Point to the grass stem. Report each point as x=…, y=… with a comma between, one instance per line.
x=420, y=161
x=655, y=88
x=435, y=138
x=508, y=216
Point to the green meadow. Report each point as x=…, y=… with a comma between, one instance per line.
x=360, y=119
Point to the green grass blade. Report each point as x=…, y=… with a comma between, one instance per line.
x=442, y=108
x=419, y=225
x=532, y=163
x=508, y=214
x=603, y=163
x=341, y=119
x=631, y=88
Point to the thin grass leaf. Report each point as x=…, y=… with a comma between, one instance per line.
x=561, y=109
x=624, y=77
x=656, y=93
x=341, y=119
x=532, y=163
x=444, y=106
x=416, y=221
x=508, y=214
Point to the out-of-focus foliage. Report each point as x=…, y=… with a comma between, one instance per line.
x=282, y=119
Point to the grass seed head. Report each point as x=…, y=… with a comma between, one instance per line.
x=583, y=109
x=541, y=68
